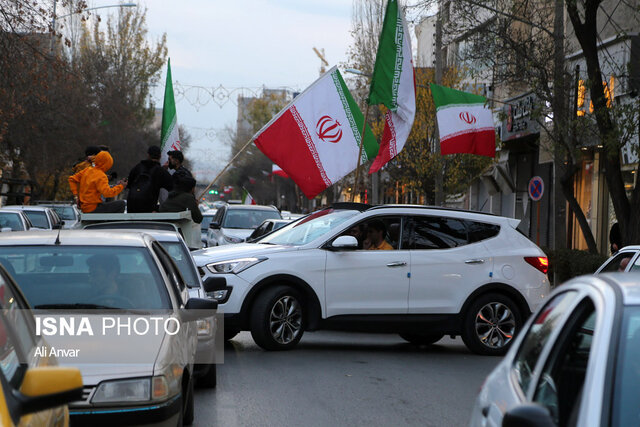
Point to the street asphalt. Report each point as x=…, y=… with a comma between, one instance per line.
x=344, y=379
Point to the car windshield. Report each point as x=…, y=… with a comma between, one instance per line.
x=11, y=220
x=86, y=276
x=65, y=213
x=38, y=218
x=248, y=218
x=310, y=228
x=181, y=257
x=626, y=407
x=206, y=220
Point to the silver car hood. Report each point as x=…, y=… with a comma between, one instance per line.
x=240, y=233
x=205, y=256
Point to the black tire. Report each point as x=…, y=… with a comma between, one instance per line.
x=277, y=318
x=422, y=339
x=188, y=412
x=209, y=379
x=230, y=333
x=492, y=332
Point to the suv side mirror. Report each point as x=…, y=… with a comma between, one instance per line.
x=198, y=308
x=344, y=242
x=214, y=225
x=528, y=415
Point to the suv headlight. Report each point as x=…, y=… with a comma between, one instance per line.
x=234, y=266
x=231, y=239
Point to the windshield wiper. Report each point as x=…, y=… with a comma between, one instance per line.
x=76, y=305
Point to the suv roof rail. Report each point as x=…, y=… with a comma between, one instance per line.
x=441, y=208
x=350, y=206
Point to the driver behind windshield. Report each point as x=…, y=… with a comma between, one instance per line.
x=104, y=269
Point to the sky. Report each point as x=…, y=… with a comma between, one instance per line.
x=220, y=49
x=231, y=45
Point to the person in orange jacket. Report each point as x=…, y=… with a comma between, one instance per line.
x=89, y=184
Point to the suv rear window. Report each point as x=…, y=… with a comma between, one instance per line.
x=481, y=231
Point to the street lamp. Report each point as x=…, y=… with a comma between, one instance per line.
x=53, y=20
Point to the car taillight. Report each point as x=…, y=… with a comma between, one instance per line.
x=539, y=262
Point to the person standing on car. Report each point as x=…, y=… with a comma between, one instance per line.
x=176, y=159
x=91, y=184
x=182, y=198
x=145, y=181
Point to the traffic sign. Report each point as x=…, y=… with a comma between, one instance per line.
x=536, y=188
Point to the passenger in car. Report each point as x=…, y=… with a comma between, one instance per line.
x=358, y=231
x=376, y=233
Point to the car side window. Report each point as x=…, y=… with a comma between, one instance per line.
x=177, y=282
x=636, y=265
x=479, y=231
x=560, y=384
x=428, y=232
x=378, y=233
x=618, y=263
x=537, y=337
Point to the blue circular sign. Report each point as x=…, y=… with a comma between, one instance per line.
x=536, y=188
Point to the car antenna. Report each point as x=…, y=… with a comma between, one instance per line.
x=57, y=242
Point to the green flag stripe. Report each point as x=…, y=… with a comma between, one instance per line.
x=389, y=59
x=445, y=97
x=168, y=108
x=356, y=118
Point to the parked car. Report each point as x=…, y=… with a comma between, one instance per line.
x=625, y=260
x=14, y=220
x=85, y=271
x=234, y=223
x=207, y=217
x=267, y=226
x=34, y=392
x=40, y=216
x=176, y=247
x=68, y=213
x=575, y=362
x=448, y=272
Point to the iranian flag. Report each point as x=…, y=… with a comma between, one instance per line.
x=464, y=123
x=170, y=140
x=315, y=139
x=393, y=84
x=246, y=198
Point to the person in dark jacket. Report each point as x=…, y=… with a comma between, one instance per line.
x=176, y=159
x=182, y=198
x=145, y=181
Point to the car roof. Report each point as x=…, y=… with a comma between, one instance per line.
x=28, y=207
x=253, y=207
x=628, y=284
x=159, y=235
x=13, y=211
x=629, y=248
x=73, y=238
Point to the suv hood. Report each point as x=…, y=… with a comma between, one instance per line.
x=240, y=233
x=205, y=256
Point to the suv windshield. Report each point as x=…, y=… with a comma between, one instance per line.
x=206, y=220
x=310, y=228
x=248, y=218
x=86, y=276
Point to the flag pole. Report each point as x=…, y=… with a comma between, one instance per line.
x=225, y=168
x=364, y=128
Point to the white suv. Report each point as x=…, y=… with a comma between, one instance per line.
x=439, y=272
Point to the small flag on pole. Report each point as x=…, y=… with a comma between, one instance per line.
x=277, y=170
x=393, y=84
x=246, y=198
x=464, y=123
x=169, y=137
x=316, y=138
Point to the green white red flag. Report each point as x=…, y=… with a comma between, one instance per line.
x=393, y=84
x=246, y=198
x=169, y=137
x=316, y=138
x=464, y=123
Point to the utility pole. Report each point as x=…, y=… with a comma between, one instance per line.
x=439, y=196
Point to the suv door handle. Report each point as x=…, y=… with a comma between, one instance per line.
x=396, y=264
x=474, y=261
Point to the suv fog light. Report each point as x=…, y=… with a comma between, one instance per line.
x=218, y=295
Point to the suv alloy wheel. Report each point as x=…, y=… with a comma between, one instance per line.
x=490, y=324
x=277, y=318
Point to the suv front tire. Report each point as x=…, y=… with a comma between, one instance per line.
x=277, y=318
